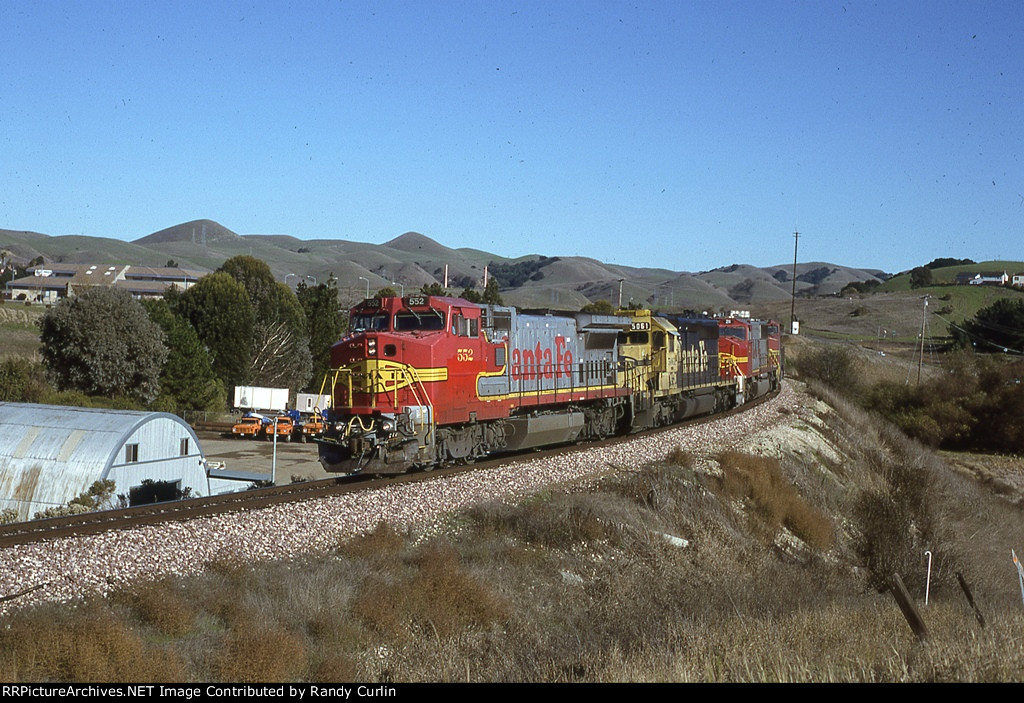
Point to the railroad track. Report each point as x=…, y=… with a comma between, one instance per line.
x=178, y=511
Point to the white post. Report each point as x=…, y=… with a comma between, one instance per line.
x=928, y=579
x=273, y=465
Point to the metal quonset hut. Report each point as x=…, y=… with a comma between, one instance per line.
x=50, y=454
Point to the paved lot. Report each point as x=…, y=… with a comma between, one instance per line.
x=256, y=456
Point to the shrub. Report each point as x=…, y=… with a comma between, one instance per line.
x=440, y=598
x=22, y=381
x=774, y=502
x=680, y=457
x=833, y=365
x=160, y=604
x=255, y=654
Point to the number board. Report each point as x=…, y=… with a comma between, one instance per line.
x=371, y=303
x=639, y=326
x=416, y=301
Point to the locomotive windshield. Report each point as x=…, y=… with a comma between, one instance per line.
x=425, y=320
x=737, y=332
x=369, y=322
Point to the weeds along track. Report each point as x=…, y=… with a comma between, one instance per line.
x=92, y=523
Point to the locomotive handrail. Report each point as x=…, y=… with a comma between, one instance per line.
x=729, y=362
x=377, y=381
x=413, y=380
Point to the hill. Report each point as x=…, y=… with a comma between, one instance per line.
x=412, y=260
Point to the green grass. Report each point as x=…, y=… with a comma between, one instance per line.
x=947, y=275
x=19, y=329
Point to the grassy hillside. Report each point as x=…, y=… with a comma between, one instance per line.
x=947, y=274
x=863, y=317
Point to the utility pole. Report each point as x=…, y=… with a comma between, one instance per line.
x=792, y=306
x=924, y=322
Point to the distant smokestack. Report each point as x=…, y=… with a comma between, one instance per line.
x=446, y=276
x=485, y=276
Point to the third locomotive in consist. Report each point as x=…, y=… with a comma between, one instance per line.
x=426, y=380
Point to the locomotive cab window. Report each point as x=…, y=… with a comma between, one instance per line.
x=463, y=326
x=426, y=320
x=377, y=322
x=633, y=338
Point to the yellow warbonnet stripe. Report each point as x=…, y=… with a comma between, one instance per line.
x=384, y=376
x=516, y=395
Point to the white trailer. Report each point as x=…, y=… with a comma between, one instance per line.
x=308, y=402
x=257, y=398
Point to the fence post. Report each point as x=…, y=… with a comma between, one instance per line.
x=970, y=598
x=913, y=618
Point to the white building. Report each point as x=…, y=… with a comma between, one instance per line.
x=50, y=454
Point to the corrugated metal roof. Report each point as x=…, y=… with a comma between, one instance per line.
x=49, y=454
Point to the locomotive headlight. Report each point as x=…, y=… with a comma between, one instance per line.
x=371, y=347
x=387, y=425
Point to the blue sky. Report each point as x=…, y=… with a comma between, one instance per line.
x=687, y=135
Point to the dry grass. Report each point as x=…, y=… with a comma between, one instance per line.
x=771, y=585
x=774, y=502
x=253, y=654
x=439, y=597
x=85, y=644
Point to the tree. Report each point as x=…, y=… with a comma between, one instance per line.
x=943, y=262
x=492, y=295
x=325, y=322
x=279, y=348
x=252, y=325
x=281, y=356
x=433, y=289
x=22, y=381
x=219, y=310
x=258, y=280
x=994, y=328
x=471, y=295
x=601, y=307
x=920, y=277
x=187, y=379
x=102, y=342
x=386, y=292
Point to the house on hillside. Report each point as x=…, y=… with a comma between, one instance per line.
x=47, y=284
x=985, y=278
x=1018, y=280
